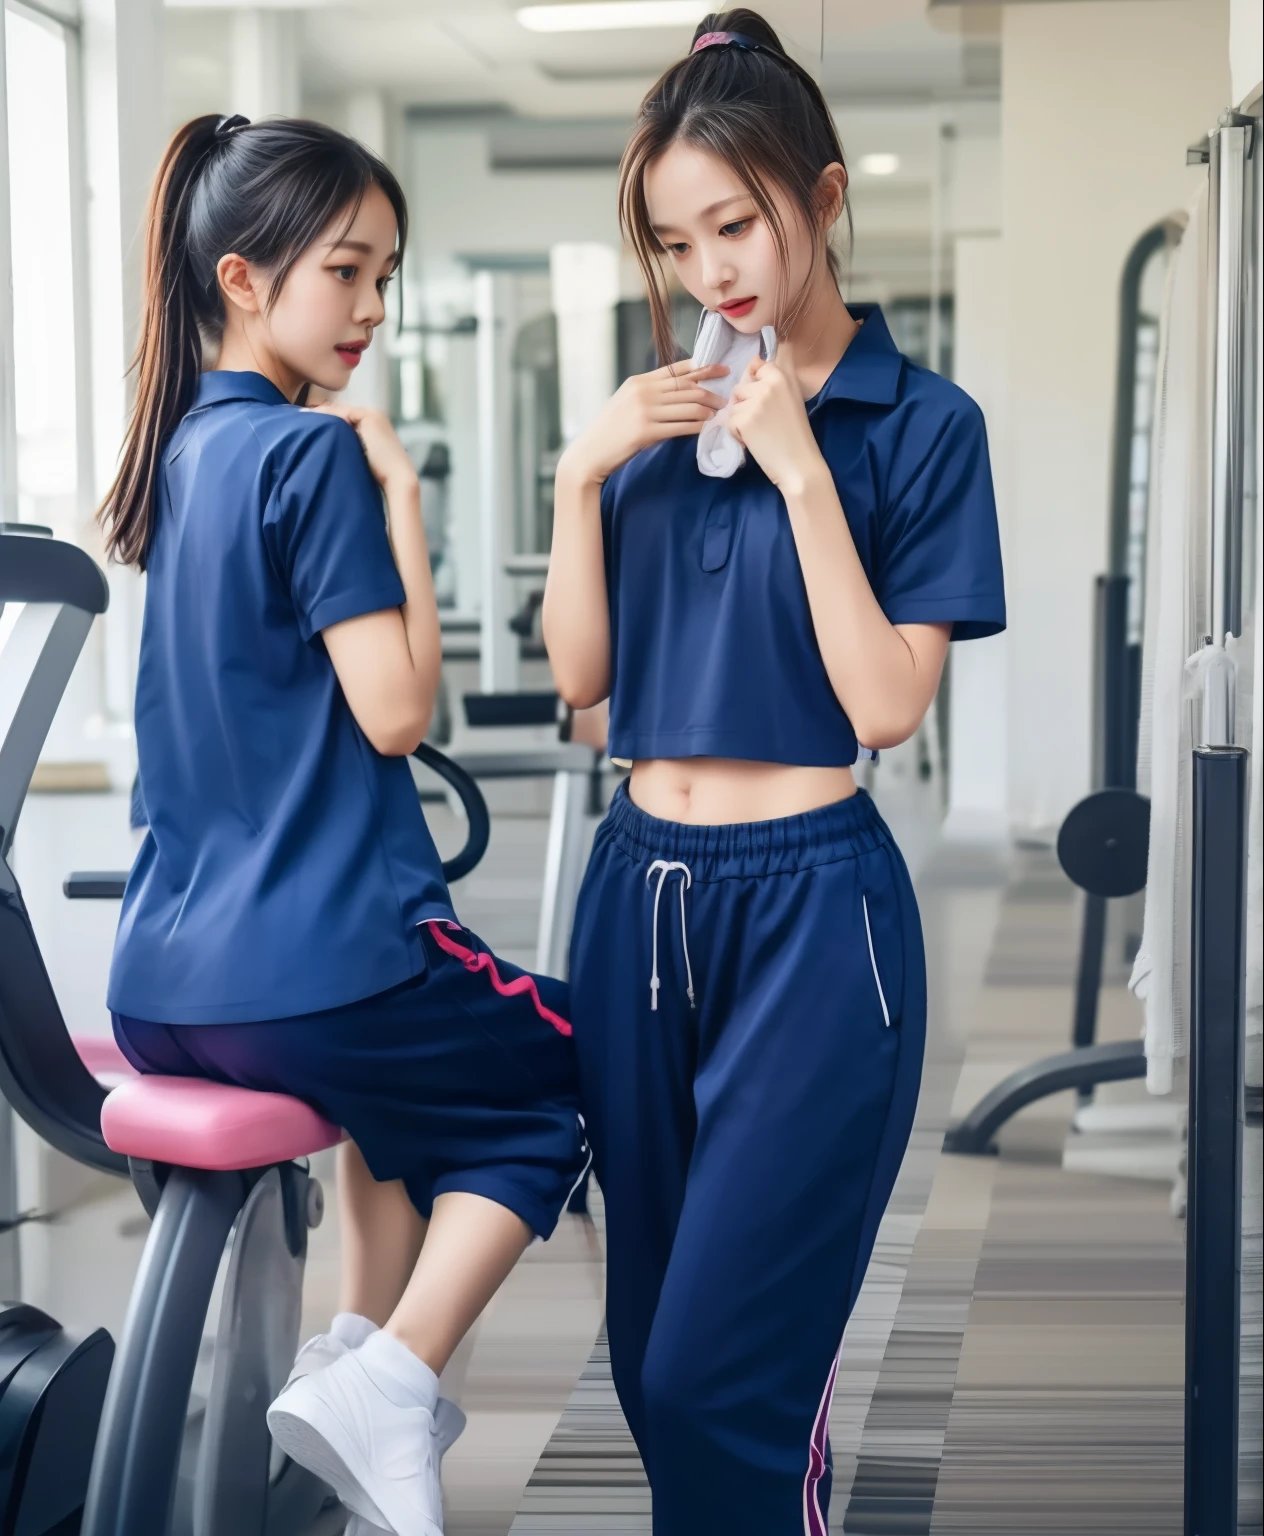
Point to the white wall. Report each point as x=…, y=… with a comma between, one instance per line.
x=121, y=44
x=978, y=779
x=462, y=207
x=1098, y=105
x=369, y=118
x=1246, y=46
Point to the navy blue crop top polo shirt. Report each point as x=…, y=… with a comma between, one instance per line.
x=713, y=653
x=287, y=863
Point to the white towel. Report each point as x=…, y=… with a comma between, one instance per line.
x=719, y=452
x=1175, y=623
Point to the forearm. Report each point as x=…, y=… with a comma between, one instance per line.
x=420, y=614
x=576, y=605
x=883, y=682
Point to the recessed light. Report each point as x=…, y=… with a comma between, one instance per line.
x=612, y=15
x=878, y=165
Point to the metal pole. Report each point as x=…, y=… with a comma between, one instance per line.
x=498, y=647
x=935, y=345
x=1165, y=233
x=1229, y=149
x=8, y=389
x=1218, y=937
x=81, y=289
x=1088, y=976
x=1214, y=1222
x=10, y=1265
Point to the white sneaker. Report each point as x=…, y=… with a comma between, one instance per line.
x=449, y=1426
x=319, y=1351
x=381, y=1460
x=324, y=1349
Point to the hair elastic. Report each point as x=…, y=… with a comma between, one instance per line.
x=724, y=39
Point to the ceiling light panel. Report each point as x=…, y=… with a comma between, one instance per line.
x=878, y=164
x=612, y=15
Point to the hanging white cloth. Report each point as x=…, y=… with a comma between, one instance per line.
x=1174, y=628
x=719, y=452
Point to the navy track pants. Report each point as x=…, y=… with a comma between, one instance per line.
x=749, y=1007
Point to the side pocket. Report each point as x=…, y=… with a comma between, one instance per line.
x=873, y=961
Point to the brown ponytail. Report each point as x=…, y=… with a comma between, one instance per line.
x=265, y=191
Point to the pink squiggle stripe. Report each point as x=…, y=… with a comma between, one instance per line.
x=480, y=960
x=813, y=1516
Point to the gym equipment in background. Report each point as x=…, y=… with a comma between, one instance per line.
x=1104, y=840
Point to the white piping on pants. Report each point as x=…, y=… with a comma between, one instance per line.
x=873, y=961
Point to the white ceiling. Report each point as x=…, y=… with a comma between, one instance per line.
x=443, y=54
x=541, y=107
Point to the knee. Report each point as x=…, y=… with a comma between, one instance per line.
x=676, y=1391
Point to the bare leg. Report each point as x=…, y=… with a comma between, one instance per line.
x=381, y=1237
x=471, y=1246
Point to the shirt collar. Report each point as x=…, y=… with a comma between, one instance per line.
x=870, y=369
x=220, y=385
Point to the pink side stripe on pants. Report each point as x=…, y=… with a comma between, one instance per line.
x=813, y=1517
x=480, y=960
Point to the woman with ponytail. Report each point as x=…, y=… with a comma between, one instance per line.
x=286, y=925
x=760, y=556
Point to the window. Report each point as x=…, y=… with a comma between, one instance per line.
x=43, y=270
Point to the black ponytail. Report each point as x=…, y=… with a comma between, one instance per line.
x=263, y=191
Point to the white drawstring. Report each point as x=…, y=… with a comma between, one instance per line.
x=662, y=869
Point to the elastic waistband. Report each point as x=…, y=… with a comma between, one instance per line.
x=750, y=848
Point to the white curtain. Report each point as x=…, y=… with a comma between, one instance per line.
x=1176, y=620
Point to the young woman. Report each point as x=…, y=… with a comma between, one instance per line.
x=286, y=925
x=747, y=978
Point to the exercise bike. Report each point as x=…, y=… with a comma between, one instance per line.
x=115, y=1443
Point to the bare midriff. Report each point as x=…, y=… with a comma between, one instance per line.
x=718, y=791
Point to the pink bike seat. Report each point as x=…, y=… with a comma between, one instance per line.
x=102, y=1057
x=192, y=1123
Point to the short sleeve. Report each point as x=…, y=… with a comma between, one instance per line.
x=328, y=530
x=940, y=548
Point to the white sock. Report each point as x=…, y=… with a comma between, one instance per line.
x=351, y=1329
x=397, y=1373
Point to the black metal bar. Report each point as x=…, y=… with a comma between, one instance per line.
x=1114, y=1062
x=1213, y=1290
x=1154, y=239
x=478, y=826
x=511, y=708
x=1113, y=723
x=1088, y=980
x=95, y=885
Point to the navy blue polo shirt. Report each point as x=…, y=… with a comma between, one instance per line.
x=287, y=863
x=713, y=652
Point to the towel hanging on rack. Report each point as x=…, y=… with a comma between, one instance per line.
x=1175, y=624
